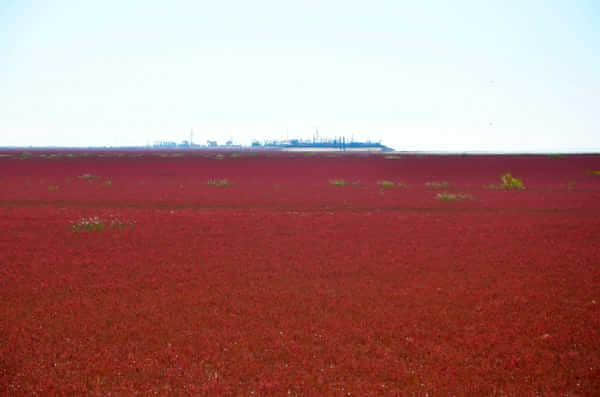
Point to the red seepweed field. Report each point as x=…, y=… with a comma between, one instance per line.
x=298, y=274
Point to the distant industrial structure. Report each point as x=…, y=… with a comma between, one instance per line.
x=323, y=144
x=340, y=143
x=189, y=145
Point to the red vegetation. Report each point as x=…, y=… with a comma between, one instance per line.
x=281, y=283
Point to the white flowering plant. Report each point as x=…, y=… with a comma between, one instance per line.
x=97, y=224
x=219, y=182
x=445, y=196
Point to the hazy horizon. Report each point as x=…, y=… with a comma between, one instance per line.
x=429, y=76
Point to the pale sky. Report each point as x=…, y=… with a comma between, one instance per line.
x=419, y=75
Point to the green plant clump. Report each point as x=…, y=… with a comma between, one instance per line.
x=92, y=224
x=386, y=184
x=337, y=182
x=509, y=182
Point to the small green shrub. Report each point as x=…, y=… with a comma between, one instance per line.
x=337, y=182
x=92, y=224
x=596, y=172
x=386, y=184
x=509, y=182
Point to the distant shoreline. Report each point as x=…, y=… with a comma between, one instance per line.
x=292, y=150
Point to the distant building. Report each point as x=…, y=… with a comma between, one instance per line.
x=326, y=144
x=165, y=144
